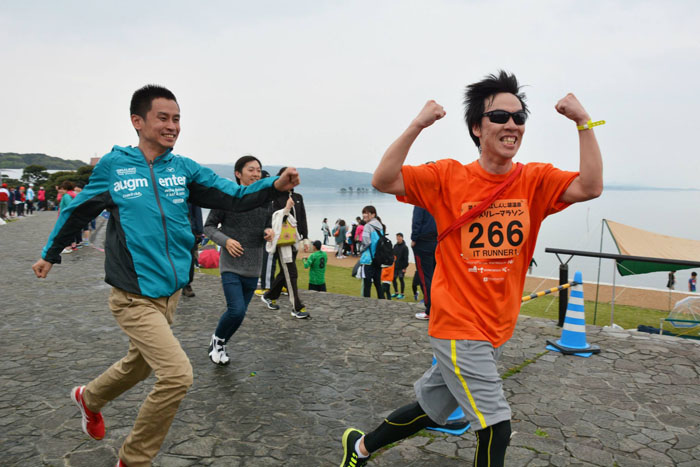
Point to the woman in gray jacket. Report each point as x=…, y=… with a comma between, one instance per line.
x=242, y=237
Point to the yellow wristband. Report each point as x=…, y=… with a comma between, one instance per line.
x=590, y=124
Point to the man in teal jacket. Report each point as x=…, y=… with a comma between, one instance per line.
x=147, y=261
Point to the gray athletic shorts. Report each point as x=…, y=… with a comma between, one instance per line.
x=465, y=374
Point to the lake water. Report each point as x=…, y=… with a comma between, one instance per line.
x=674, y=213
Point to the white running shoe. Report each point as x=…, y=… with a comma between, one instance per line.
x=217, y=351
x=422, y=315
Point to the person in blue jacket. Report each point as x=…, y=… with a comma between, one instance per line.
x=148, y=256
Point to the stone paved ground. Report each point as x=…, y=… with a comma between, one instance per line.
x=294, y=385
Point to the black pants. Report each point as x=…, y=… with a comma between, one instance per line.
x=267, y=274
x=280, y=281
x=425, y=266
x=398, y=274
x=415, y=283
x=372, y=275
x=317, y=287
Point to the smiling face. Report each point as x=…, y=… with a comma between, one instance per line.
x=250, y=174
x=500, y=141
x=160, y=129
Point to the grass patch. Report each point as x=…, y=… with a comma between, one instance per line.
x=541, y=433
x=517, y=369
x=627, y=316
x=340, y=281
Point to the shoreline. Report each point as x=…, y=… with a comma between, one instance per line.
x=643, y=297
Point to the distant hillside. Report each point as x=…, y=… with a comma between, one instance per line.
x=12, y=160
x=314, y=178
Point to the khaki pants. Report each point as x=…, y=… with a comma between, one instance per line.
x=152, y=346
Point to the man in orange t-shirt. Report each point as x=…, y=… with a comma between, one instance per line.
x=481, y=267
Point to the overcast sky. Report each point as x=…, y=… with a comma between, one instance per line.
x=332, y=84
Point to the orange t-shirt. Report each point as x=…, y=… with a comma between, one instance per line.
x=480, y=270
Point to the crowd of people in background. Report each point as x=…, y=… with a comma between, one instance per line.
x=20, y=201
x=360, y=238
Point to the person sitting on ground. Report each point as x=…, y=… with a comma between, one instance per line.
x=316, y=264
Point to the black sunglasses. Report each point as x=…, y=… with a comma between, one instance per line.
x=502, y=116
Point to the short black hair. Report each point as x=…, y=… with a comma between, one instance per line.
x=142, y=100
x=240, y=163
x=317, y=244
x=476, y=94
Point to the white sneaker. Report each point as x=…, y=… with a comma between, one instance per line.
x=217, y=351
x=66, y=251
x=422, y=315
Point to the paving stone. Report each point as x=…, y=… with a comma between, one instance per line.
x=294, y=386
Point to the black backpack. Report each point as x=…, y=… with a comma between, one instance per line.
x=384, y=251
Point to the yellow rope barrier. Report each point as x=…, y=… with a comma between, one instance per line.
x=559, y=288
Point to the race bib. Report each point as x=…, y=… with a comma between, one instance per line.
x=499, y=232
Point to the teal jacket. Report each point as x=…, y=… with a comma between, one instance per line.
x=148, y=246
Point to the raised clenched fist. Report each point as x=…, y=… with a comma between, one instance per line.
x=572, y=109
x=431, y=112
x=288, y=179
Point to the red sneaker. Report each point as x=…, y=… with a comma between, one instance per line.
x=121, y=463
x=93, y=425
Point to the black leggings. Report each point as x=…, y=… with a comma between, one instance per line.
x=491, y=442
x=399, y=276
x=372, y=275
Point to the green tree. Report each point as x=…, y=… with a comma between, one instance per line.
x=82, y=175
x=35, y=174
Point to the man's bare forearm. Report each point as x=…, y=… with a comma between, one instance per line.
x=387, y=177
x=591, y=165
